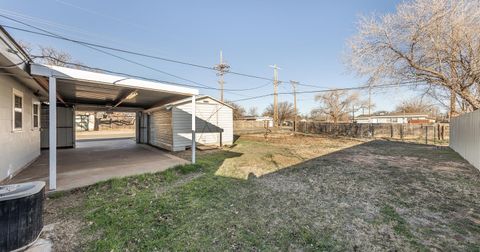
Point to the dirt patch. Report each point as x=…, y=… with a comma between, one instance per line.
x=62, y=211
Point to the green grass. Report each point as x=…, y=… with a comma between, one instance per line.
x=315, y=206
x=400, y=226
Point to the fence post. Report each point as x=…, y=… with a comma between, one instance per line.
x=426, y=134
x=391, y=130
x=401, y=131
x=443, y=132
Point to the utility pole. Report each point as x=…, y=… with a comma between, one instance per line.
x=369, y=102
x=222, y=68
x=294, y=83
x=275, y=94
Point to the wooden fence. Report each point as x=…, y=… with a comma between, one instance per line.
x=428, y=133
x=465, y=137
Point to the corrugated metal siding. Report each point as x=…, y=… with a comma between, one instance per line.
x=211, y=117
x=161, y=129
x=465, y=137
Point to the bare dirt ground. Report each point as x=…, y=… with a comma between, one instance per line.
x=284, y=193
x=105, y=134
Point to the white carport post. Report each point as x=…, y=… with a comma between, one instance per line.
x=52, y=132
x=193, y=128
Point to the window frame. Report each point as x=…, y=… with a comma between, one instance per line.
x=19, y=94
x=34, y=102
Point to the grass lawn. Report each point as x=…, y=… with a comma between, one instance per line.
x=290, y=193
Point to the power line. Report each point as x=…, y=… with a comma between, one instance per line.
x=137, y=76
x=88, y=45
x=335, y=89
x=135, y=52
x=93, y=47
x=71, y=29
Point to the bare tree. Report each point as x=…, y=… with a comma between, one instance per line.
x=285, y=111
x=52, y=56
x=336, y=104
x=27, y=47
x=253, y=111
x=432, y=42
x=414, y=105
x=238, y=110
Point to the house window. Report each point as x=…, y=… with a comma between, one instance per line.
x=36, y=115
x=17, y=110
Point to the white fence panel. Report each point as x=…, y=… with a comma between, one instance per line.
x=465, y=137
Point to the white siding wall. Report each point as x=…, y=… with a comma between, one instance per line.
x=19, y=148
x=465, y=137
x=210, y=117
x=225, y=121
x=161, y=129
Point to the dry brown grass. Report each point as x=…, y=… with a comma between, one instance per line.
x=260, y=155
x=312, y=194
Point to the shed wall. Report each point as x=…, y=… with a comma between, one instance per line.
x=17, y=148
x=161, y=129
x=211, y=118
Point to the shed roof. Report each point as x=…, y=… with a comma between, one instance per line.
x=198, y=98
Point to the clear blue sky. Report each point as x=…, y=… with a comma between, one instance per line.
x=305, y=38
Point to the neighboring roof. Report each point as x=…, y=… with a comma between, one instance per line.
x=395, y=115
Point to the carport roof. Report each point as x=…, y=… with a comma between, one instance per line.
x=82, y=87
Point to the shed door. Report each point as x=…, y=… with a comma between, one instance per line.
x=143, y=126
x=65, y=127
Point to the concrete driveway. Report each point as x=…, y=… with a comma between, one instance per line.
x=94, y=161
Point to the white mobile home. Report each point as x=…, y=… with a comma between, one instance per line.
x=170, y=124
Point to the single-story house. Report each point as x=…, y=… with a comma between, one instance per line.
x=38, y=104
x=170, y=124
x=411, y=118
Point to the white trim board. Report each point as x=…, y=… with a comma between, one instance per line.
x=107, y=79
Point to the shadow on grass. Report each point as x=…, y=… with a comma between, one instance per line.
x=339, y=201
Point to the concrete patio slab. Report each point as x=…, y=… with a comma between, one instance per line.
x=94, y=161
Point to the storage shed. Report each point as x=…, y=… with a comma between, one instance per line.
x=170, y=124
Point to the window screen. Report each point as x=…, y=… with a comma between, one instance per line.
x=18, y=111
x=35, y=115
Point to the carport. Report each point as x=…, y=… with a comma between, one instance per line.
x=93, y=90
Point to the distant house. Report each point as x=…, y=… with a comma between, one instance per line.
x=411, y=118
